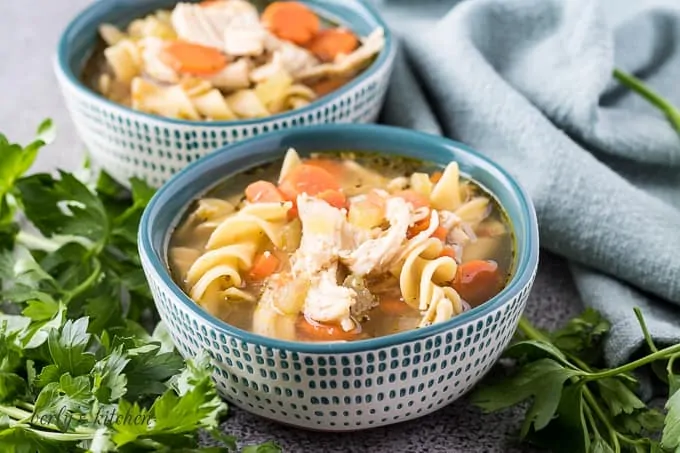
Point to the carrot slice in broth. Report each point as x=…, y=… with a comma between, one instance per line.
x=263, y=192
x=331, y=42
x=291, y=21
x=264, y=265
x=478, y=281
x=192, y=58
x=313, y=331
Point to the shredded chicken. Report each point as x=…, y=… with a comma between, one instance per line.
x=153, y=65
x=322, y=235
x=206, y=25
x=328, y=302
x=378, y=253
x=244, y=41
x=234, y=76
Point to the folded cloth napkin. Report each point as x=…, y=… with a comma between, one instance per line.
x=529, y=83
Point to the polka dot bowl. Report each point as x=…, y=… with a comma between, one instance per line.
x=128, y=143
x=341, y=386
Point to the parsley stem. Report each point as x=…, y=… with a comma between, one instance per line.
x=645, y=331
x=35, y=242
x=87, y=283
x=658, y=355
x=590, y=398
x=14, y=412
x=530, y=331
x=637, y=85
x=63, y=437
x=25, y=405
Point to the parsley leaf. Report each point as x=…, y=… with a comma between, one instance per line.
x=68, y=348
x=671, y=431
x=543, y=380
x=618, y=397
x=64, y=207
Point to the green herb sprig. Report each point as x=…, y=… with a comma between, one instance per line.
x=80, y=369
x=578, y=405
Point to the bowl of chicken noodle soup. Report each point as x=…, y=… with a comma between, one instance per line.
x=154, y=85
x=345, y=276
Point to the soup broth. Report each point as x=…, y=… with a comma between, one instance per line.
x=226, y=59
x=342, y=247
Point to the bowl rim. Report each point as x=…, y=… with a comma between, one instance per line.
x=526, y=264
x=385, y=59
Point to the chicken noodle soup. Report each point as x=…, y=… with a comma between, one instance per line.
x=342, y=248
x=224, y=60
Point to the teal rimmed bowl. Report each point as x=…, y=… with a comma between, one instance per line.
x=341, y=386
x=129, y=143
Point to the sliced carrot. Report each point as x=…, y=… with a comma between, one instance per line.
x=323, y=87
x=440, y=233
x=263, y=192
x=393, y=305
x=192, y=58
x=331, y=42
x=323, y=332
x=334, y=198
x=307, y=179
x=435, y=177
x=448, y=251
x=478, y=281
x=416, y=199
x=264, y=266
x=334, y=167
x=210, y=2
x=291, y=21
x=418, y=227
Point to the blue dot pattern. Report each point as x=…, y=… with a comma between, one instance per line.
x=346, y=391
x=127, y=144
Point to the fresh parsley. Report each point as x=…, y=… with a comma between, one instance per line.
x=80, y=367
x=577, y=405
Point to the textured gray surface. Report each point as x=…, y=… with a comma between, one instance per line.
x=28, y=36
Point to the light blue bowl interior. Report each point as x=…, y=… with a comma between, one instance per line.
x=78, y=40
x=171, y=201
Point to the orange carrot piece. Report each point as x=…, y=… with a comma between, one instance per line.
x=448, y=251
x=440, y=233
x=264, y=266
x=478, y=281
x=393, y=305
x=322, y=332
x=435, y=177
x=334, y=198
x=331, y=42
x=334, y=167
x=207, y=3
x=416, y=199
x=192, y=58
x=291, y=21
x=323, y=87
x=263, y=192
x=307, y=179
x=418, y=227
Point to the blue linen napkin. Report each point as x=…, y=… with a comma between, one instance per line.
x=529, y=83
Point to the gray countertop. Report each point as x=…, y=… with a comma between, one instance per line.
x=28, y=36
